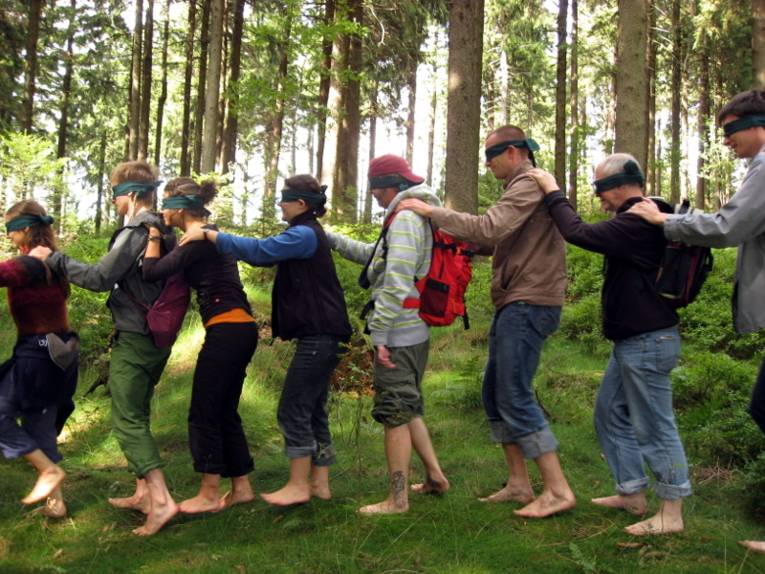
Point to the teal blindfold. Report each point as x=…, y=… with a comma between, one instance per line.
x=26, y=220
x=182, y=202
x=137, y=187
x=632, y=174
x=311, y=198
x=743, y=124
x=498, y=149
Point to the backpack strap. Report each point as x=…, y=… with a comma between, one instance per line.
x=363, y=278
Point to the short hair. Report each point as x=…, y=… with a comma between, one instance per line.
x=615, y=163
x=510, y=132
x=306, y=182
x=136, y=170
x=205, y=190
x=748, y=103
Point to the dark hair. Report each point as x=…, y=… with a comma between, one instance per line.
x=41, y=234
x=748, y=103
x=510, y=132
x=137, y=170
x=306, y=182
x=205, y=191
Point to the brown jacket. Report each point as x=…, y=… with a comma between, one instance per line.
x=529, y=260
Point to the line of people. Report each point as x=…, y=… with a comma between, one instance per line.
x=524, y=231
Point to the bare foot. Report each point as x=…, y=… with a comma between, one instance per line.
x=633, y=503
x=753, y=545
x=507, y=494
x=321, y=490
x=54, y=508
x=47, y=481
x=659, y=523
x=547, y=504
x=236, y=496
x=139, y=503
x=385, y=507
x=288, y=495
x=431, y=486
x=157, y=518
x=200, y=504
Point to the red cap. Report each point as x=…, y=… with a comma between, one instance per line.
x=390, y=164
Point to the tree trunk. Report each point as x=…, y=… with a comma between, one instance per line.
x=163, y=92
x=632, y=79
x=758, y=43
x=63, y=124
x=650, y=124
x=188, y=72
x=573, y=160
x=199, y=113
x=148, y=48
x=703, y=125
x=324, y=86
x=677, y=85
x=410, y=119
x=560, y=98
x=235, y=65
x=372, y=149
x=212, y=91
x=30, y=76
x=432, y=131
x=464, y=104
x=135, y=86
x=101, y=175
x=223, y=87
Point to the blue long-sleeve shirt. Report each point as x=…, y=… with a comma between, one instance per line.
x=296, y=242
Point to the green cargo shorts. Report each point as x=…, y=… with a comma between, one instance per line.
x=398, y=394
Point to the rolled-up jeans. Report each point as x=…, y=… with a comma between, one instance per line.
x=634, y=420
x=515, y=343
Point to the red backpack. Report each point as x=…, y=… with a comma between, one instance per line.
x=442, y=289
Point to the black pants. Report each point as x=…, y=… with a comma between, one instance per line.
x=757, y=405
x=216, y=438
x=302, y=412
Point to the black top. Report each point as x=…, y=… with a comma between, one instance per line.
x=307, y=296
x=633, y=249
x=214, y=276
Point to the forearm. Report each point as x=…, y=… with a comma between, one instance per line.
x=350, y=249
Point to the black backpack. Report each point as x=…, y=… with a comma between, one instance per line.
x=683, y=268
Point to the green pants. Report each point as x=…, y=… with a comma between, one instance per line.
x=398, y=392
x=135, y=368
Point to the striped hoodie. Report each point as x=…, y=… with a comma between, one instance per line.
x=392, y=278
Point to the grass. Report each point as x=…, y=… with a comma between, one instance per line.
x=449, y=534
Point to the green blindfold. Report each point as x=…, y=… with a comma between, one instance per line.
x=26, y=220
x=312, y=198
x=497, y=149
x=743, y=124
x=182, y=202
x=632, y=174
x=137, y=187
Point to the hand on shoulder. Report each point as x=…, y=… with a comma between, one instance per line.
x=546, y=181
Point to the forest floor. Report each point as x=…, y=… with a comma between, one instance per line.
x=453, y=533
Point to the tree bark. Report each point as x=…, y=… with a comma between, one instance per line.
x=410, y=119
x=464, y=104
x=432, y=131
x=188, y=72
x=372, y=149
x=573, y=160
x=30, y=75
x=101, y=175
x=135, y=86
x=650, y=124
x=758, y=43
x=677, y=85
x=148, y=49
x=324, y=86
x=235, y=65
x=703, y=125
x=560, y=97
x=212, y=91
x=163, y=92
x=631, y=79
x=199, y=113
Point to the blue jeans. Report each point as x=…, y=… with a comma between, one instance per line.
x=37, y=430
x=515, y=343
x=634, y=419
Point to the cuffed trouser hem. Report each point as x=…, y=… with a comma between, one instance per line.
x=142, y=472
x=672, y=491
x=533, y=445
x=321, y=455
x=632, y=486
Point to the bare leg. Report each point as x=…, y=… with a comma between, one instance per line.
x=518, y=486
x=633, y=503
x=49, y=476
x=435, y=480
x=140, y=500
x=320, y=482
x=241, y=492
x=398, y=451
x=54, y=505
x=163, y=507
x=754, y=545
x=298, y=487
x=556, y=496
x=669, y=519
x=207, y=499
